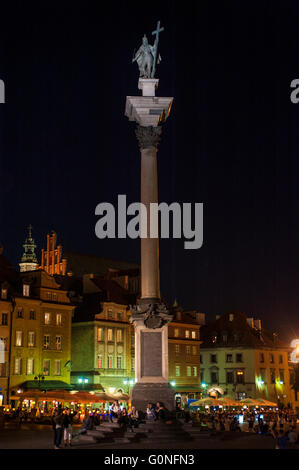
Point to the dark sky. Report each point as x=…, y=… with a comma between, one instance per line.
x=231, y=142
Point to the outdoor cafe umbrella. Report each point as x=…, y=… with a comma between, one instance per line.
x=207, y=402
x=250, y=402
x=264, y=402
x=229, y=402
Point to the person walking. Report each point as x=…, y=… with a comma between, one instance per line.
x=67, y=427
x=57, y=428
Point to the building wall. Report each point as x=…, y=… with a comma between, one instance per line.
x=5, y=309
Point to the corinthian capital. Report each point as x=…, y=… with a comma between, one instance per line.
x=148, y=136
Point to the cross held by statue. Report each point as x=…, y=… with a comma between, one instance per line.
x=156, y=33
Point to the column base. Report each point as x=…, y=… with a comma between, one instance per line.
x=144, y=393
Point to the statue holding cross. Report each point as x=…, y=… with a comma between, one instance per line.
x=147, y=56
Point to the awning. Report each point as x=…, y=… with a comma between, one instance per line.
x=45, y=385
x=66, y=396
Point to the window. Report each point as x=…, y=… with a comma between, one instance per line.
x=200, y=358
x=177, y=371
x=26, y=290
x=119, y=316
x=281, y=376
x=46, y=367
x=57, y=367
x=262, y=358
x=229, y=358
x=3, y=346
x=201, y=376
x=100, y=334
x=280, y=359
x=3, y=369
x=213, y=358
x=19, y=338
x=110, y=362
x=272, y=376
x=110, y=334
x=47, y=318
x=58, y=319
x=4, y=319
x=214, y=338
x=32, y=315
x=188, y=371
x=177, y=348
x=49, y=296
x=119, y=336
x=271, y=358
x=239, y=357
x=176, y=332
x=100, y=362
x=214, y=377
x=194, y=371
x=4, y=294
x=229, y=377
x=46, y=341
x=263, y=375
x=58, y=343
x=240, y=377
x=193, y=334
x=187, y=334
x=20, y=312
x=224, y=337
x=119, y=362
x=31, y=339
x=110, y=315
x=188, y=349
x=30, y=366
x=194, y=350
x=18, y=365
x=54, y=297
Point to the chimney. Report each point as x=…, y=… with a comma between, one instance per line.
x=88, y=286
x=178, y=315
x=258, y=324
x=250, y=322
x=200, y=318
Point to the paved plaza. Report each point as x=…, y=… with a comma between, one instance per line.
x=35, y=436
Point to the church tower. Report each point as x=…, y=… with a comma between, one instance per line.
x=29, y=259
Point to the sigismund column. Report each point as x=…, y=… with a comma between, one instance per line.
x=150, y=316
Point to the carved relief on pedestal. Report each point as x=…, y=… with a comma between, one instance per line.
x=154, y=315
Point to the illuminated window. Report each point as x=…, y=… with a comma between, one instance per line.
x=193, y=334
x=19, y=338
x=20, y=312
x=58, y=319
x=188, y=371
x=110, y=315
x=229, y=358
x=54, y=297
x=100, y=362
x=240, y=377
x=18, y=365
x=177, y=371
x=119, y=336
x=213, y=358
x=46, y=341
x=110, y=334
x=194, y=371
x=30, y=366
x=26, y=290
x=49, y=296
x=32, y=315
x=176, y=332
x=119, y=362
x=47, y=318
x=188, y=349
x=194, y=350
x=4, y=294
x=280, y=359
x=57, y=367
x=177, y=348
x=58, y=343
x=31, y=339
x=46, y=367
x=100, y=334
x=187, y=334
x=110, y=362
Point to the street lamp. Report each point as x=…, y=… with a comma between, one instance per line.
x=40, y=378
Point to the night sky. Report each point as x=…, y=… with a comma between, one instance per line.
x=231, y=142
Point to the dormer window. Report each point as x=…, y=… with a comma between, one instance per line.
x=26, y=290
x=3, y=294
